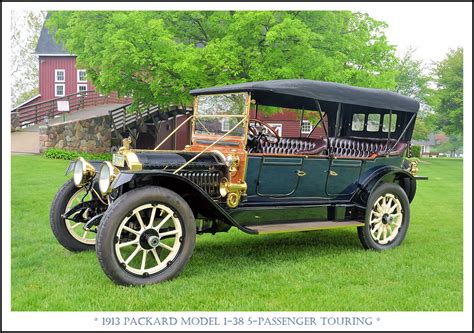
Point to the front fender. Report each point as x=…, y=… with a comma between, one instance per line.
x=196, y=197
x=384, y=174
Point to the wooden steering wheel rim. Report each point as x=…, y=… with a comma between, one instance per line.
x=274, y=132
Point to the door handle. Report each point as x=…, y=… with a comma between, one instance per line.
x=300, y=173
x=332, y=173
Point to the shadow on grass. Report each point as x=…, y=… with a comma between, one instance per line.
x=239, y=249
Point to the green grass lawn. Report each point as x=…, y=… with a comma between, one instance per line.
x=309, y=271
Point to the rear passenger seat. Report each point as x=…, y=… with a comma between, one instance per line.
x=363, y=147
x=295, y=146
x=339, y=147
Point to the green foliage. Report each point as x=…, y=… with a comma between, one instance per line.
x=159, y=56
x=415, y=151
x=447, y=98
x=411, y=78
x=63, y=154
x=422, y=129
x=413, y=82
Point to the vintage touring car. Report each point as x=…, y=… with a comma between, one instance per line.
x=142, y=210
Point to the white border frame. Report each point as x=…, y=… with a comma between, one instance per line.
x=410, y=321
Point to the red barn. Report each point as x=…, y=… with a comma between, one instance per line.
x=59, y=76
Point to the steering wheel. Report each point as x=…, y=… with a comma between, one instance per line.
x=259, y=133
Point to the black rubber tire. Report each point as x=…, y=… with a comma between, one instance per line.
x=119, y=210
x=58, y=224
x=363, y=232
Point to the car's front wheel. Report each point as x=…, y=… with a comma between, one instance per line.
x=386, y=219
x=69, y=232
x=147, y=236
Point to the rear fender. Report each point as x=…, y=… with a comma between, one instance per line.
x=196, y=197
x=384, y=174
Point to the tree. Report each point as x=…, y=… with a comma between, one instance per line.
x=422, y=130
x=159, y=56
x=412, y=81
x=25, y=30
x=447, y=98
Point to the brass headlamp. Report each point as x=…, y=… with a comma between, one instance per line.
x=83, y=172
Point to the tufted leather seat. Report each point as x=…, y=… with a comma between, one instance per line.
x=295, y=146
x=363, y=147
x=340, y=147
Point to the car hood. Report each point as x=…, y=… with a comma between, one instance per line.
x=174, y=160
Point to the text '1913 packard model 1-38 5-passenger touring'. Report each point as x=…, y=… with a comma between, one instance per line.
x=142, y=210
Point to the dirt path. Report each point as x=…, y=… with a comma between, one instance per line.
x=25, y=142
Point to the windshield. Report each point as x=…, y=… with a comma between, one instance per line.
x=219, y=114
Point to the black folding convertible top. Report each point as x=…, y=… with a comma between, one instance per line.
x=318, y=90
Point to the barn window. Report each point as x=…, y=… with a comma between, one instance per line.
x=278, y=128
x=59, y=90
x=225, y=125
x=59, y=75
x=81, y=75
x=81, y=87
x=306, y=127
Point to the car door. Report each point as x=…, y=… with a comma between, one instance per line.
x=342, y=176
x=279, y=176
x=312, y=184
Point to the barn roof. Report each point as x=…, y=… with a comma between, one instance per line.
x=47, y=44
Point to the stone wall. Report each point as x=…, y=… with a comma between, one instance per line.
x=15, y=121
x=89, y=135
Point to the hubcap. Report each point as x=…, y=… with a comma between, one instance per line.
x=149, y=239
x=153, y=241
x=386, y=219
x=76, y=228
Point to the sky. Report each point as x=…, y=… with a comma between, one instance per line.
x=431, y=29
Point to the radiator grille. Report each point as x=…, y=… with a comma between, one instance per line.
x=208, y=181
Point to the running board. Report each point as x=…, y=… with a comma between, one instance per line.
x=303, y=226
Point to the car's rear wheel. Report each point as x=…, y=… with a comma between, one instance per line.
x=147, y=236
x=69, y=233
x=386, y=219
